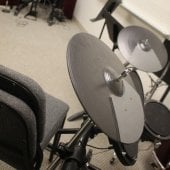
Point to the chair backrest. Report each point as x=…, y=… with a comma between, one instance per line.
x=22, y=118
x=27, y=90
x=18, y=132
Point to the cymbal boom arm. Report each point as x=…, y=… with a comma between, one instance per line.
x=126, y=73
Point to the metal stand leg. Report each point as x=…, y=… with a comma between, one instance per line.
x=102, y=30
x=165, y=94
x=54, y=164
x=54, y=145
x=157, y=84
x=76, y=116
x=115, y=46
x=56, y=142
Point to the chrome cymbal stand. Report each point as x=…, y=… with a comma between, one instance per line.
x=72, y=155
x=156, y=83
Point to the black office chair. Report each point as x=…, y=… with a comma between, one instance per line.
x=29, y=118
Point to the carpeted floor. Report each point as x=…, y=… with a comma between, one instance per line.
x=39, y=51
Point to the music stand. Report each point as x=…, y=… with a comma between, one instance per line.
x=113, y=28
x=109, y=7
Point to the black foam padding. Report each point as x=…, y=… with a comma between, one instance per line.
x=157, y=118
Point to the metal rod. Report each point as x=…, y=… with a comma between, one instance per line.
x=165, y=94
x=77, y=136
x=165, y=71
x=102, y=30
x=152, y=91
x=156, y=85
x=125, y=73
x=54, y=164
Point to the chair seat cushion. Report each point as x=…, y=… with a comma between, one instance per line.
x=56, y=111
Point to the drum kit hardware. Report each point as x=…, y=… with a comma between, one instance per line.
x=156, y=84
x=108, y=8
x=56, y=13
x=142, y=51
x=112, y=94
x=157, y=115
x=116, y=83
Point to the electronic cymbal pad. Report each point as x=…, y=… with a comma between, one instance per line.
x=142, y=49
x=108, y=97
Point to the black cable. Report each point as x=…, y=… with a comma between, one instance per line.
x=110, y=147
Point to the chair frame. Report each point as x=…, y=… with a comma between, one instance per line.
x=18, y=90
